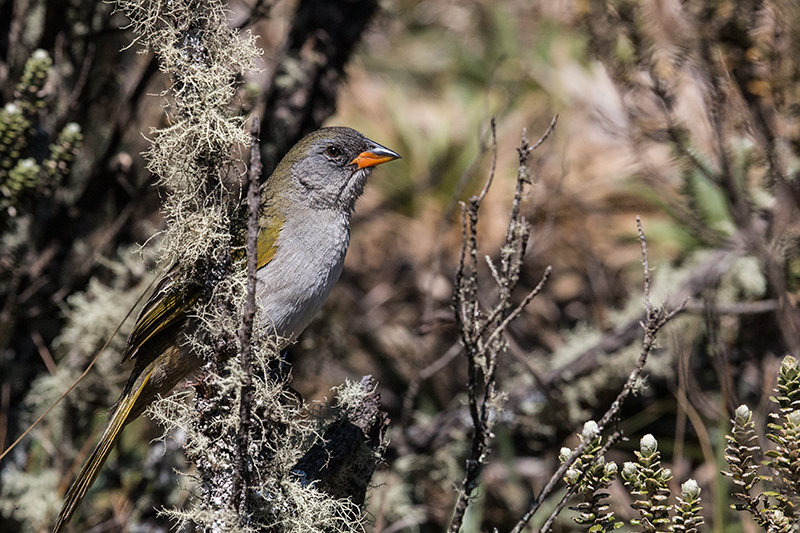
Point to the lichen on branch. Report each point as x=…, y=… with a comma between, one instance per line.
x=191, y=157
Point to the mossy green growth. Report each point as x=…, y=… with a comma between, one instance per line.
x=594, y=513
x=784, y=460
x=22, y=176
x=775, y=509
x=687, y=517
x=648, y=479
x=31, y=83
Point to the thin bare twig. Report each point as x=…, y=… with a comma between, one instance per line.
x=482, y=330
x=516, y=235
x=616, y=436
x=413, y=386
x=655, y=319
x=517, y=310
x=546, y=133
x=523, y=172
x=246, y=329
x=44, y=353
x=488, y=183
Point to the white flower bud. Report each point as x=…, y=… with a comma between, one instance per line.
x=648, y=445
x=690, y=490
x=589, y=430
x=743, y=414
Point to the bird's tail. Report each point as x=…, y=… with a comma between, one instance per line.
x=92, y=466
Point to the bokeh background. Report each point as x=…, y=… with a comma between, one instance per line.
x=682, y=112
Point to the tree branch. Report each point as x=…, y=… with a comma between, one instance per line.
x=242, y=479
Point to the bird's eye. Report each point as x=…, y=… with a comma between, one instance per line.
x=333, y=151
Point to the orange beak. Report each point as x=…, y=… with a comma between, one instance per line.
x=376, y=155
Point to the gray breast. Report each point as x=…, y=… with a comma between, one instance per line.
x=308, y=261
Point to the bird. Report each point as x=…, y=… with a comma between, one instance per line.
x=304, y=216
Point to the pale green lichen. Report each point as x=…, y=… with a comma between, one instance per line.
x=31, y=498
x=91, y=317
x=193, y=156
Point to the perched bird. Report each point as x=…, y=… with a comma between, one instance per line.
x=304, y=231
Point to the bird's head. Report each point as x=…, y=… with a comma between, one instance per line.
x=328, y=168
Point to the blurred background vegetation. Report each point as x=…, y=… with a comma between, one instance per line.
x=683, y=112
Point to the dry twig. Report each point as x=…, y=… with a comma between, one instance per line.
x=655, y=319
x=482, y=330
x=246, y=330
x=613, y=439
